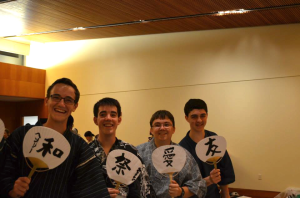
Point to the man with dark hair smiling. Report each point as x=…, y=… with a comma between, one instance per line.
x=196, y=115
x=108, y=116
x=188, y=182
x=78, y=176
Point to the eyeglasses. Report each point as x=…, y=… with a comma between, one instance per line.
x=165, y=125
x=57, y=98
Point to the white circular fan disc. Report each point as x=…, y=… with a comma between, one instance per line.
x=47, y=145
x=169, y=158
x=2, y=129
x=205, y=148
x=123, y=166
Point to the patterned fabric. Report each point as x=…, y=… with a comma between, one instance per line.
x=78, y=176
x=2, y=152
x=225, y=165
x=141, y=187
x=189, y=176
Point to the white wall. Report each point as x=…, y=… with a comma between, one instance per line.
x=249, y=78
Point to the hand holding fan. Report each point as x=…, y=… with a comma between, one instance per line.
x=123, y=167
x=211, y=149
x=169, y=159
x=45, y=148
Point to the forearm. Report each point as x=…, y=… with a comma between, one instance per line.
x=208, y=181
x=187, y=193
x=224, y=191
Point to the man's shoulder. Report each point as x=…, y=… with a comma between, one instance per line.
x=210, y=133
x=126, y=146
x=142, y=146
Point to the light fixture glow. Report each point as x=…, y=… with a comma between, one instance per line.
x=240, y=11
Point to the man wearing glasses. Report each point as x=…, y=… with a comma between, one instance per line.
x=78, y=176
x=188, y=182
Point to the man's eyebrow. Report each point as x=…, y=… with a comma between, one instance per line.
x=102, y=112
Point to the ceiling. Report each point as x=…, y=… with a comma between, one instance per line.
x=53, y=21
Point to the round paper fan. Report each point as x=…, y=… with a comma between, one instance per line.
x=169, y=158
x=123, y=166
x=45, y=148
x=211, y=149
x=2, y=129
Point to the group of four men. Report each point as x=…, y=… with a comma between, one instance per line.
x=83, y=173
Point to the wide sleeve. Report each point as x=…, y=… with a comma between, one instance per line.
x=87, y=180
x=12, y=154
x=193, y=179
x=227, y=171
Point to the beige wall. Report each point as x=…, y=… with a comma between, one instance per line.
x=249, y=77
x=14, y=47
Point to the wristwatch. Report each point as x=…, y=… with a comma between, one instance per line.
x=182, y=192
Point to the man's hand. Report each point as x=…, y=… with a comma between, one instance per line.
x=174, y=189
x=214, y=177
x=20, y=187
x=113, y=192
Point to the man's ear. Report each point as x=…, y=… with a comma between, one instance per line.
x=95, y=121
x=186, y=118
x=46, y=101
x=119, y=119
x=75, y=107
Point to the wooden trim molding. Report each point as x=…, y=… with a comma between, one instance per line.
x=254, y=193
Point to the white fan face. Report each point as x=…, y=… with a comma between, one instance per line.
x=123, y=166
x=169, y=158
x=46, y=145
x=2, y=129
x=211, y=148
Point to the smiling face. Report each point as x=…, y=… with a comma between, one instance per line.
x=59, y=112
x=107, y=120
x=162, y=131
x=197, y=119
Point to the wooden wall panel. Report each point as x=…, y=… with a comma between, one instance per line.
x=11, y=113
x=21, y=81
x=8, y=115
x=31, y=108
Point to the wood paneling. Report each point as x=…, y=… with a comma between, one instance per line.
x=11, y=113
x=40, y=16
x=21, y=81
x=8, y=115
x=254, y=193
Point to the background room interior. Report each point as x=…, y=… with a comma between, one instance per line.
x=249, y=77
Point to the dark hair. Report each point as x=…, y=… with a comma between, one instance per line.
x=194, y=104
x=162, y=114
x=65, y=81
x=107, y=102
x=88, y=134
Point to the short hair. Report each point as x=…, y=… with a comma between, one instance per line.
x=65, y=81
x=107, y=102
x=194, y=104
x=88, y=134
x=162, y=114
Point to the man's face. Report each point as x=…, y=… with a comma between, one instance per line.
x=59, y=111
x=107, y=119
x=197, y=119
x=89, y=138
x=162, y=130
